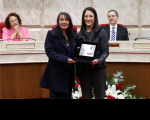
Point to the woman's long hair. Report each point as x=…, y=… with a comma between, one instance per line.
x=95, y=26
x=69, y=32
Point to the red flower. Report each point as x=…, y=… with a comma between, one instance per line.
x=81, y=97
x=77, y=85
x=110, y=97
x=119, y=86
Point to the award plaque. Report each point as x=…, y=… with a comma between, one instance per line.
x=86, y=52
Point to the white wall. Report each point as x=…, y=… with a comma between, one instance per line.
x=40, y=15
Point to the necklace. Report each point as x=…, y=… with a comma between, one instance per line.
x=66, y=40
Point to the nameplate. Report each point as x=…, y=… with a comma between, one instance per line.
x=20, y=46
x=141, y=45
x=114, y=45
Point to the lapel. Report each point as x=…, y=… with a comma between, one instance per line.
x=118, y=31
x=108, y=31
x=61, y=41
x=72, y=45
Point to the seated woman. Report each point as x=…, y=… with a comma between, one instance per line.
x=13, y=31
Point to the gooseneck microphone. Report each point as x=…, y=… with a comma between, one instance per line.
x=17, y=38
x=147, y=38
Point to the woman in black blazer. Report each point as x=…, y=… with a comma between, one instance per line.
x=93, y=73
x=59, y=46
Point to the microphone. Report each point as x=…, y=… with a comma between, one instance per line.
x=142, y=38
x=17, y=38
x=30, y=39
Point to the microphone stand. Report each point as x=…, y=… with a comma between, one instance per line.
x=142, y=38
x=17, y=38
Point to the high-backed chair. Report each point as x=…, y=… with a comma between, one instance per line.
x=2, y=25
x=108, y=24
x=74, y=27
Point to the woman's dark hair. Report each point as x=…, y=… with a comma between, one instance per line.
x=95, y=26
x=69, y=31
x=7, y=23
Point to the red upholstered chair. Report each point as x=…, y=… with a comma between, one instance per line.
x=108, y=24
x=74, y=27
x=2, y=25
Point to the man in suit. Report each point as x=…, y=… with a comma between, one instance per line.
x=114, y=31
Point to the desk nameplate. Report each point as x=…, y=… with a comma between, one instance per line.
x=141, y=45
x=114, y=45
x=20, y=46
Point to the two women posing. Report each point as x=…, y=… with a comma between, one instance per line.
x=61, y=45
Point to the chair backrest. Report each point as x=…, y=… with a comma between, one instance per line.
x=108, y=24
x=2, y=25
x=74, y=27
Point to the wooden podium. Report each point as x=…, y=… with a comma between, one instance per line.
x=22, y=66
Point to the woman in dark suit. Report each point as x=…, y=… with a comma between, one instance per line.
x=59, y=46
x=93, y=73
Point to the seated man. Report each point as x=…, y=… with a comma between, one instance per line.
x=114, y=31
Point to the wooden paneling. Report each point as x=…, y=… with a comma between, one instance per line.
x=134, y=74
x=21, y=81
x=45, y=92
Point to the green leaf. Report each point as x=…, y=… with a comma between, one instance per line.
x=128, y=93
x=141, y=98
x=110, y=77
x=123, y=89
x=121, y=77
x=128, y=97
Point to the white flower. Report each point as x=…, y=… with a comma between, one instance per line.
x=116, y=80
x=93, y=97
x=112, y=91
x=109, y=92
x=79, y=89
x=106, y=83
x=77, y=94
x=125, y=93
x=130, y=95
x=121, y=97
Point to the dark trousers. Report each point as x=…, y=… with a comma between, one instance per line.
x=95, y=78
x=56, y=95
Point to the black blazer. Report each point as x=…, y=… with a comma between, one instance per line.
x=100, y=37
x=122, y=32
x=58, y=74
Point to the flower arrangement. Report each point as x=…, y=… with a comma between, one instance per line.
x=78, y=92
x=114, y=90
